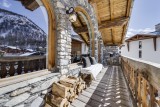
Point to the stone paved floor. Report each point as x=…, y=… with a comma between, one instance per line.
x=108, y=90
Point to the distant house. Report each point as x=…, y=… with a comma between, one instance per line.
x=11, y=49
x=143, y=46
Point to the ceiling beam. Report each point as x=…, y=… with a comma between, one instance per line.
x=128, y=13
x=111, y=2
x=96, y=12
x=106, y=24
x=30, y=4
x=93, y=1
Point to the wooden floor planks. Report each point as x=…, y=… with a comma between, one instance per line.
x=108, y=90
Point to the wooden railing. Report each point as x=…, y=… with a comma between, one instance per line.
x=144, y=81
x=10, y=66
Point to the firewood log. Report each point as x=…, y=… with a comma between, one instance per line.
x=60, y=90
x=68, y=82
x=67, y=104
x=56, y=101
x=47, y=105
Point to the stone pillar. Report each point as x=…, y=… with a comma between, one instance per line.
x=63, y=41
x=63, y=46
x=101, y=51
x=96, y=48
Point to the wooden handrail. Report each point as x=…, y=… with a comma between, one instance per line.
x=10, y=66
x=20, y=58
x=143, y=79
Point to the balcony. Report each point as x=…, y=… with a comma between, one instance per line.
x=11, y=66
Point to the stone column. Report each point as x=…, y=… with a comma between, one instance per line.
x=63, y=46
x=101, y=51
x=63, y=41
x=96, y=48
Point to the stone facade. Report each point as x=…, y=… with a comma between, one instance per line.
x=64, y=31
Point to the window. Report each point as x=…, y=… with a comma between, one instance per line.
x=140, y=44
x=140, y=54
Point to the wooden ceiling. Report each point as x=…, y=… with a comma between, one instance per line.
x=112, y=16
x=80, y=23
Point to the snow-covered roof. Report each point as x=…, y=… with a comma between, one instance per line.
x=31, y=50
x=77, y=37
x=13, y=47
x=27, y=54
x=144, y=36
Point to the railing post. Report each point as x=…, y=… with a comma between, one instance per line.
x=3, y=71
x=12, y=69
x=19, y=68
x=139, y=90
x=152, y=96
x=144, y=94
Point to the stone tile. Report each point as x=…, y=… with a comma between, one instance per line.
x=17, y=100
x=38, y=102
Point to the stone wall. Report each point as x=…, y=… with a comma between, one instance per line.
x=64, y=31
x=28, y=93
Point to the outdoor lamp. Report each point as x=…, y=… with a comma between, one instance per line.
x=72, y=14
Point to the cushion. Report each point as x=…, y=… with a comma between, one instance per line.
x=86, y=62
x=91, y=60
x=94, y=60
x=94, y=69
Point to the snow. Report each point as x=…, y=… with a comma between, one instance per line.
x=31, y=50
x=27, y=54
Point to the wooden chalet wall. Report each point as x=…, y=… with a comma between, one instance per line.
x=76, y=47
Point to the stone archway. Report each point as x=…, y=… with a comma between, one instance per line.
x=59, y=39
x=84, y=7
x=51, y=34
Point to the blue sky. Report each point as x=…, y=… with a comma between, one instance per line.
x=39, y=16
x=145, y=14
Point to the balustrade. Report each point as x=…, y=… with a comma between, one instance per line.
x=10, y=66
x=143, y=81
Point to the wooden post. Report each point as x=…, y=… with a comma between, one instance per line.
x=139, y=90
x=144, y=94
x=152, y=97
x=155, y=43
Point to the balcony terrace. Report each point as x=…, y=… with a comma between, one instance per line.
x=123, y=82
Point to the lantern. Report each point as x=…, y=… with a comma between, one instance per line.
x=72, y=14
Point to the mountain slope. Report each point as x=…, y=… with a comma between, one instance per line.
x=18, y=30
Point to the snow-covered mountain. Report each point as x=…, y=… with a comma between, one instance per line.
x=18, y=30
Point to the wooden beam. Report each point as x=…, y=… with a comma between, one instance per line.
x=112, y=36
x=128, y=46
x=93, y=1
x=96, y=12
x=51, y=35
x=106, y=24
x=128, y=12
x=79, y=20
x=111, y=2
x=30, y=4
x=84, y=39
x=155, y=43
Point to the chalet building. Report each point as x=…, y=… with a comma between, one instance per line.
x=11, y=49
x=52, y=81
x=143, y=46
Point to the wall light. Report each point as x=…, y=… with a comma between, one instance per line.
x=72, y=14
